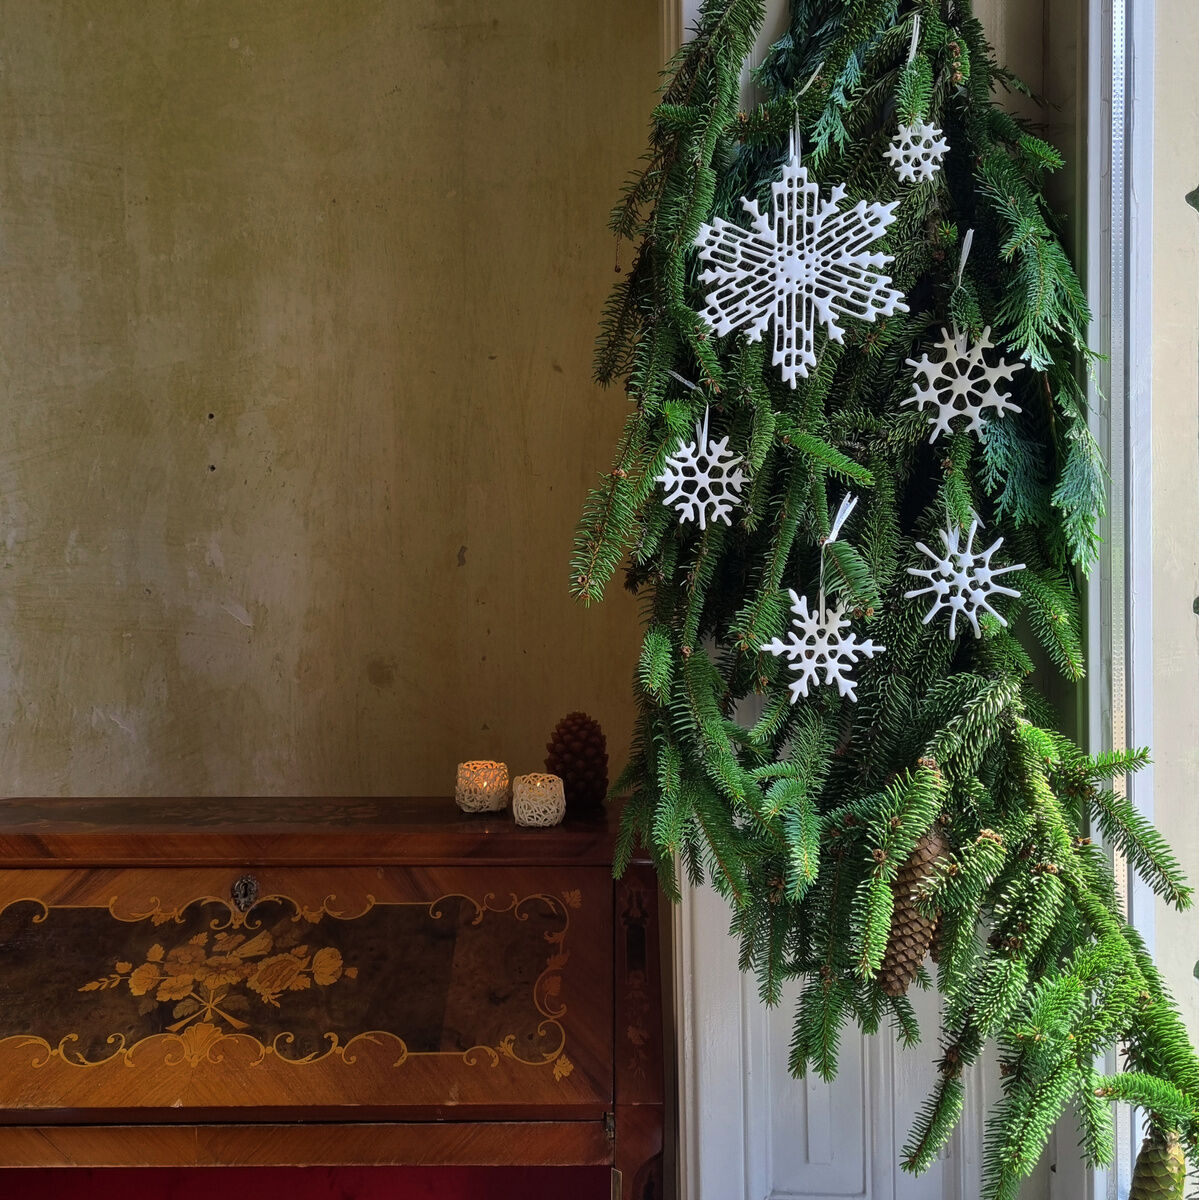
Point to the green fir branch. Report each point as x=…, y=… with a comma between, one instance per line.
x=802, y=812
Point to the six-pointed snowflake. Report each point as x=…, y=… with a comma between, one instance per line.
x=961, y=384
x=820, y=641
x=916, y=151
x=703, y=479
x=804, y=264
x=963, y=581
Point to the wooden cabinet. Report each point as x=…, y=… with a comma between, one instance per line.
x=315, y=981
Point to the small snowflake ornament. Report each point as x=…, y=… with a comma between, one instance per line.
x=703, y=479
x=963, y=581
x=804, y=264
x=916, y=152
x=961, y=384
x=820, y=641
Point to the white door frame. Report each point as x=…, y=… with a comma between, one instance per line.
x=1119, y=262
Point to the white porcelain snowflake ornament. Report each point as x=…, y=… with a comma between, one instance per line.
x=962, y=581
x=820, y=642
x=960, y=383
x=916, y=152
x=703, y=479
x=805, y=264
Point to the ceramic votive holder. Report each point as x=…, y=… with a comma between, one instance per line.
x=538, y=800
x=482, y=786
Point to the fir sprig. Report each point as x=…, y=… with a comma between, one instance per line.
x=802, y=815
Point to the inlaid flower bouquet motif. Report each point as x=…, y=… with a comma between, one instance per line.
x=203, y=977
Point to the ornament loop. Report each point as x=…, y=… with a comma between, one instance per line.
x=915, y=42
x=848, y=504
x=811, y=80
x=967, y=242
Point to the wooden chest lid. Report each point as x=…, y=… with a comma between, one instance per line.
x=293, y=831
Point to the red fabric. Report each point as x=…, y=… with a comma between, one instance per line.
x=309, y=1183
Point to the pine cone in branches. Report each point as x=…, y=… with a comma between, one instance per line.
x=1161, y=1170
x=578, y=752
x=934, y=945
x=911, y=933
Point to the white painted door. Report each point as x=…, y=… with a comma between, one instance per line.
x=749, y=1130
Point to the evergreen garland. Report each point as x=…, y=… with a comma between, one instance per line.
x=804, y=819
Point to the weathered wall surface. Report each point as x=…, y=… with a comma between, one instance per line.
x=1176, y=477
x=298, y=300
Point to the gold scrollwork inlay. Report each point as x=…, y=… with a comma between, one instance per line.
x=233, y=918
x=204, y=977
x=206, y=1042
x=547, y=988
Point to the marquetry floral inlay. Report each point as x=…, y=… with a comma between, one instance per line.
x=202, y=977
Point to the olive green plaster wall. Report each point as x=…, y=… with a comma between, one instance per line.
x=296, y=308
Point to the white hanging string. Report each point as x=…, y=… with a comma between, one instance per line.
x=959, y=339
x=967, y=242
x=915, y=42
x=811, y=78
x=848, y=504
x=796, y=137
x=701, y=432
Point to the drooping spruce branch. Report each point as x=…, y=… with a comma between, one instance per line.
x=803, y=815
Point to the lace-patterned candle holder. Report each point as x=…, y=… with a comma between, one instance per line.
x=538, y=800
x=482, y=786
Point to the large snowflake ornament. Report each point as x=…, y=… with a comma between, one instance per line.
x=916, y=151
x=961, y=384
x=703, y=479
x=820, y=642
x=962, y=581
x=804, y=264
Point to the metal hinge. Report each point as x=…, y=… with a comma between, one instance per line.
x=617, y=1177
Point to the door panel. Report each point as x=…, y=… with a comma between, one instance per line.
x=748, y=1129
x=841, y=1140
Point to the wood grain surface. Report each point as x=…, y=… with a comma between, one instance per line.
x=320, y=831
x=638, y=1049
x=379, y=1182
x=436, y=988
x=541, y=1143
x=223, y=981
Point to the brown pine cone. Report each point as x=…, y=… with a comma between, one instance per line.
x=911, y=933
x=578, y=752
x=934, y=946
x=1161, y=1169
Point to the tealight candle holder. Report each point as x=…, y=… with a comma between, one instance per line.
x=482, y=786
x=538, y=800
